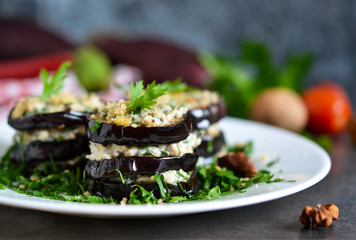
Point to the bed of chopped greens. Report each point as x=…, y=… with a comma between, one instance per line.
x=54, y=183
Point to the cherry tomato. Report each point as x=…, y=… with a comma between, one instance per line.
x=329, y=108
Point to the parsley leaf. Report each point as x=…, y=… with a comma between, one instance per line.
x=53, y=85
x=121, y=176
x=247, y=148
x=163, y=188
x=96, y=125
x=272, y=163
x=140, y=195
x=144, y=100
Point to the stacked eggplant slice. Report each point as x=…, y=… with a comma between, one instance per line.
x=132, y=148
x=205, y=108
x=51, y=130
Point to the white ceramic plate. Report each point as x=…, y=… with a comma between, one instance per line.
x=300, y=160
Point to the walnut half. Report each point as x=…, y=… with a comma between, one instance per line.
x=319, y=216
x=239, y=163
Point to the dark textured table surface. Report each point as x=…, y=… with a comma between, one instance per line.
x=276, y=219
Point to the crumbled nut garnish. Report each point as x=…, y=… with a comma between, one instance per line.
x=319, y=216
x=239, y=163
x=35, y=178
x=123, y=201
x=86, y=193
x=264, y=157
x=218, y=168
x=22, y=187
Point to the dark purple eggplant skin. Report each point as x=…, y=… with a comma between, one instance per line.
x=58, y=151
x=140, y=136
x=48, y=120
x=140, y=165
x=117, y=191
x=202, y=118
x=217, y=143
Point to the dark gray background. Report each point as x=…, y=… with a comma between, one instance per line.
x=325, y=27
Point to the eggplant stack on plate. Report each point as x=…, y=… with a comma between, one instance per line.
x=133, y=143
x=51, y=130
x=205, y=108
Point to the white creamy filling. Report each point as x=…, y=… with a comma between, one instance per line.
x=213, y=130
x=49, y=135
x=100, y=152
x=170, y=177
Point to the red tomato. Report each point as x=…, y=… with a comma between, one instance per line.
x=329, y=108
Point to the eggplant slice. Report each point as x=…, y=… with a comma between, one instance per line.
x=211, y=145
x=118, y=191
x=48, y=120
x=140, y=165
x=140, y=136
x=202, y=118
x=58, y=151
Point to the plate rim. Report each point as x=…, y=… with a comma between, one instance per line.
x=163, y=210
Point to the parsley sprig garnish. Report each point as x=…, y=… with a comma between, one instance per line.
x=141, y=99
x=53, y=84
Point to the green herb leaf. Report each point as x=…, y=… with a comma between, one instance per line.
x=140, y=196
x=176, y=86
x=140, y=100
x=272, y=163
x=59, y=138
x=246, y=148
x=238, y=79
x=96, y=125
x=22, y=154
x=53, y=85
x=162, y=185
x=324, y=141
x=210, y=146
x=121, y=176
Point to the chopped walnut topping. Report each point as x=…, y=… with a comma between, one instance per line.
x=239, y=163
x=123, y=201
x=319, y=216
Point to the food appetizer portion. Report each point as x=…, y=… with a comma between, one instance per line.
x=51, y=127
x=205, y=108
x=142, y=144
